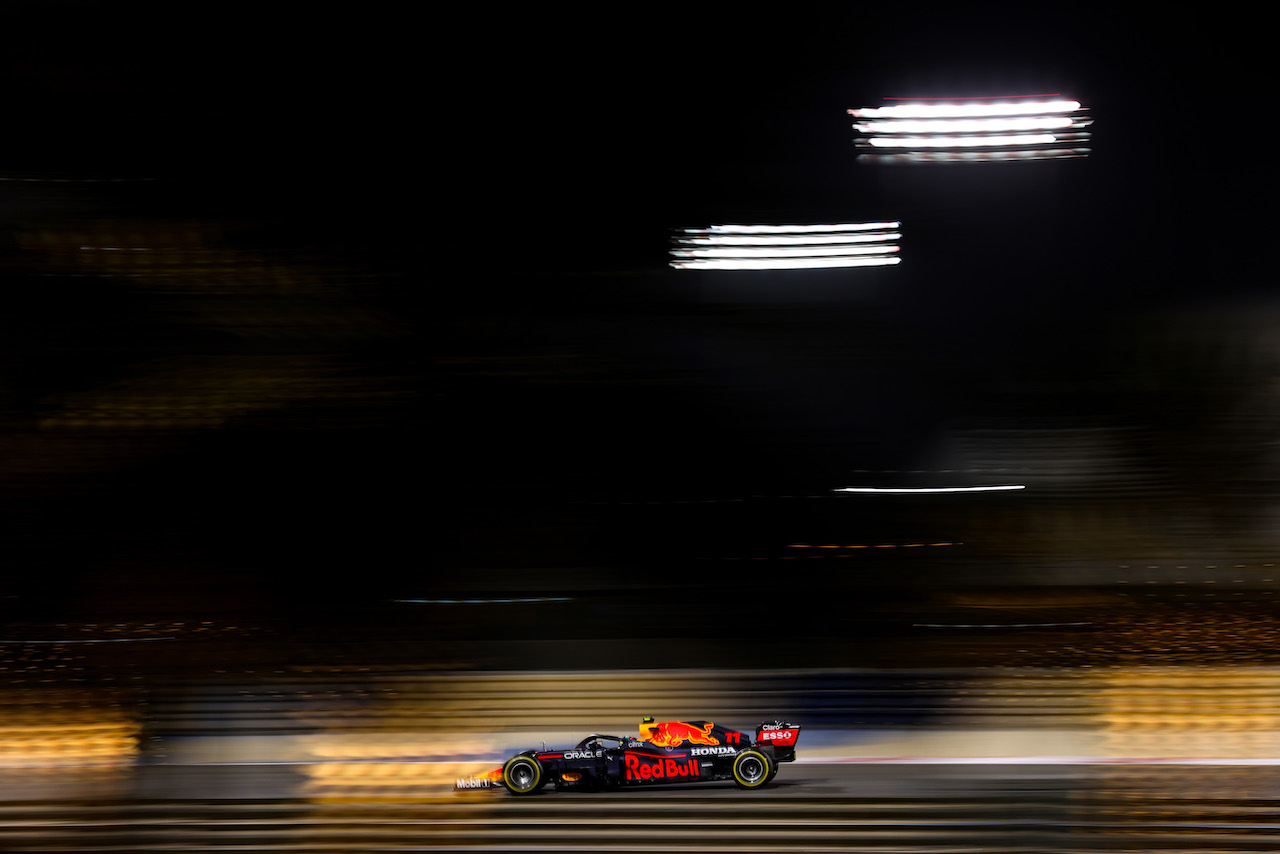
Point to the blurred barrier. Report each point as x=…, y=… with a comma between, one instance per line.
x=60, y=728
x=1176, y=759
x=1205, y=712
x=423, y=725
x=1003, y=810
x=340, y=718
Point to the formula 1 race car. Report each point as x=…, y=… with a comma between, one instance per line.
x=665, y=752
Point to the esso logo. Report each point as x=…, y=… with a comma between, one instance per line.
x=785, y=736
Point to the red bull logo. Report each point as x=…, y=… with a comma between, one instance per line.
x=656, y=768
x=676, y=733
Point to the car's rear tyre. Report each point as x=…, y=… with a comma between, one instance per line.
x=750, y=769
x=773, y=770
x=523, y=775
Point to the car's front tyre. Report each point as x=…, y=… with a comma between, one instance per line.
x=522, y=775
x=751, y=769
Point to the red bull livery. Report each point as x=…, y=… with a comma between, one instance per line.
x=676, y=733
x=666, y=752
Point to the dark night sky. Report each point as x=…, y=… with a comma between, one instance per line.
x=514, y=198
x=594, y=147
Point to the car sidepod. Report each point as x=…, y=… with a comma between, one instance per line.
x=577, y=768
x=646, y=765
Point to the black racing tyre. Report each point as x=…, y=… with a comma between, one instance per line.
x=523, y=775
x=750, y=769
x=773, y=770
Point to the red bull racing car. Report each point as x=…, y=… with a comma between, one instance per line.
x=665, y=752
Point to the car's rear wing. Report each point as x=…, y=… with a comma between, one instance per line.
x=782, y=736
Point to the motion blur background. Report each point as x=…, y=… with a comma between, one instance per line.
x=354, y=431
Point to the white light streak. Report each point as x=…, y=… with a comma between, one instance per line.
x=782, y=252
x=961, y=141
x=795, y=229
x=938, y=111
x=786, y=247
x=902, y=490
x=1029, y=124
x=789, y=239
x=785, y=264
x=966, y=125
x=1003, y=156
